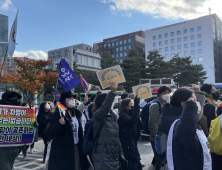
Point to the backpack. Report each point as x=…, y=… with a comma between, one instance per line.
x=145, y=114
x=89, y=142
x=215, y=137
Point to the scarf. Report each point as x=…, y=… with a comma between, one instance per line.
x=212, y=101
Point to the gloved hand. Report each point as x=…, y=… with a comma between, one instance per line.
x=137, y=101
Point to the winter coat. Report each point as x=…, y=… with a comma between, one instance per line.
x=109, y=149
x=129, y=133
x=209, y=112
x=62, y=155
x=43, y=119
x=187, y=150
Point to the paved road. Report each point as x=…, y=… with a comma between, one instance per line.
x=35, y=160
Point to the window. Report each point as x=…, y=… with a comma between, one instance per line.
x=129, y=40
x=200, y=58
x=185, y=38
x=200, y=43
x=101, y=52
x=108, y=44
x=178, y=40
x=172, y=48
x=117, y=43
x=193, y=52
x=154, y=44
x=117, y=55
x=199, y=36
x=192, y=44
x=192, y=30
x=120, y=42
x=166, y=42
x=193, y=58
x=112, y=50
x=200, y=51
x=117, y=60
x=166, y=49
x=117, y=49
x=172, y=41
x=154, y=37
x=199, y=28
x=172, y=34
x=192, y=37
x=113, y=55
x=125, y=48
x=160, y=36
x=104, y=45
x=186, y=53
x=97, y=47
x=160, y=43
x=179, y=54
x=121, y=61
x=160, y=50
x=124, y=41
x=178, y=32
x=101, y=46
x=172, y=55
x=179, y=47
x=166, y=56
x=121, y=55
x=125, y=54
x=129, y=47
x=120, y=48
x=185, y=31
x=185, y=46
x=113, y=44
x=166, y=35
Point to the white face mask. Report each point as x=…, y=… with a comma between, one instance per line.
x=199, y=115
x=166, y=97
x=47, y=107
x=71, y=104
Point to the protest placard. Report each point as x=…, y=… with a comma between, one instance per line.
x=112, y=74
x=16, y=125
x=142, y=91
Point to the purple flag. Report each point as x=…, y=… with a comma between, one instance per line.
x=57, y=95
x=67, y=78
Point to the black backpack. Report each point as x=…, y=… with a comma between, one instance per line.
x=145, y=114
x=89, y=142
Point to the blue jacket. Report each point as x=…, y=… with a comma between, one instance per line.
x=187, y=150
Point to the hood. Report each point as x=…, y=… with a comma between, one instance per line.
x=7, y=94
x=169, y=115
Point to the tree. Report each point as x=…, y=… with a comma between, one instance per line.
x=156, y=66
x=133, y=69
x=30, y=77
x=185, y=73
x=107, y=60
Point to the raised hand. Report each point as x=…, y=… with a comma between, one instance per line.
x=113, y=86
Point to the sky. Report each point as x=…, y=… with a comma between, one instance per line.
x=45, y=25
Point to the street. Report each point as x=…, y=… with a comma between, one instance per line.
x=35, y=160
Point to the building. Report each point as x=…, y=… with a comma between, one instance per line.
x=3, y=35
x=83, y=58
x=119, y=46
x=199, y=38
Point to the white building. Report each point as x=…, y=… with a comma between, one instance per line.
x=83, y=58
x=199, y=38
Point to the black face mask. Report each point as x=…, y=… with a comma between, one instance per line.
x=215, y=96
x=15, y=102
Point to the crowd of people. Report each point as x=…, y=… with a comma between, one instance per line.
x=179, y=126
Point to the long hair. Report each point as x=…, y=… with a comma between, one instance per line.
x=42, y=107
x=180, y=95
x=99, y=101
x=123, y=105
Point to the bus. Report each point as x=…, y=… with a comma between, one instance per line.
x=82, y=95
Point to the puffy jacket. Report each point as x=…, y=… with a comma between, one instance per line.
x=187, y=150
x=129, y=133
x=109, y=148
x=43, y=119
x=62, y=155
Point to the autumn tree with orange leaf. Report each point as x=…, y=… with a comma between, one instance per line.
x=30, y=77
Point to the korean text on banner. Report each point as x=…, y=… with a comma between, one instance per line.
x=112, y=74
x=16, y=125
x=143, y=91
